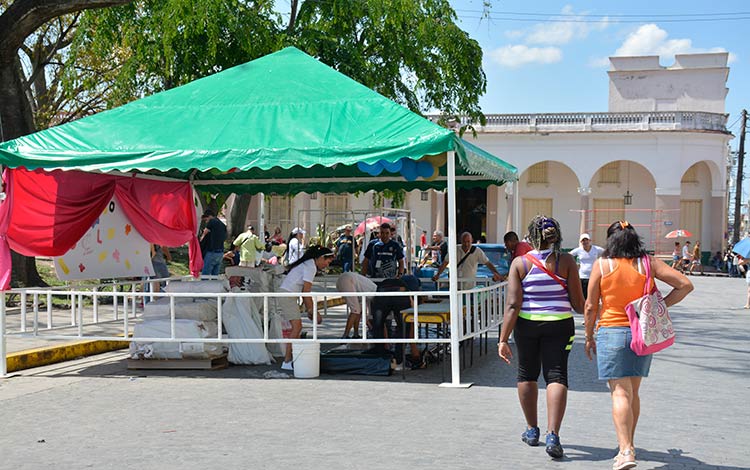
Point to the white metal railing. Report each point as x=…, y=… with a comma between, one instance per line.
x=481, y=307
x=600, y=122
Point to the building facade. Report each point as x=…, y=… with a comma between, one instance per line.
x=658, y=158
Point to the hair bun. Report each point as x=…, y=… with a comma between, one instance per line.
x=549, y=234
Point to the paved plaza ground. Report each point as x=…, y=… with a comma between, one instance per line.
x=94, y=413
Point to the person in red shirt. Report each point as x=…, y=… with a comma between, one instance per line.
x=516, y=247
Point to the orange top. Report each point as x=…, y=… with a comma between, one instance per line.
x=620, y=286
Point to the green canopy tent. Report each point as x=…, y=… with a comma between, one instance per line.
x=284, y=123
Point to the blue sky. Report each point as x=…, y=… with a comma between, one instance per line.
x=536, y=60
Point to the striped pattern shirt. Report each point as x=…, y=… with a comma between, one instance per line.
x=543, y=297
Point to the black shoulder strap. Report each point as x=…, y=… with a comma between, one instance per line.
x=472, y=250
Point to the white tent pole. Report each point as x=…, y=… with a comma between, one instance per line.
x=456, y=315
x=3, y=350
x=517, y=211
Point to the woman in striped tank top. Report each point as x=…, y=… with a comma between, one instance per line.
x=618, y=279
x=543, y=290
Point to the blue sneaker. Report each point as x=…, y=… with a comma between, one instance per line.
x=554, y=449
x=531, y=436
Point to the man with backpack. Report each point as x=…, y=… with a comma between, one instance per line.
x=469, y=257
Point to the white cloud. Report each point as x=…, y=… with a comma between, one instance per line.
x=517, y=55
x=572, y=26
x=650, y=39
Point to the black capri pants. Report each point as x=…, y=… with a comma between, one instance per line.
x=545, y=346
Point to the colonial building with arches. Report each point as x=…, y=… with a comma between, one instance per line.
x=658, y=157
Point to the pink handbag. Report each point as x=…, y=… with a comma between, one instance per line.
x=649, y=320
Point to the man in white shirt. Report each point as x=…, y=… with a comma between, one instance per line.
x=586, y=254
x=469, y=257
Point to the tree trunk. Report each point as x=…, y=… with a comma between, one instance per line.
x=238, y=215
x=17, y=120
x=25, y=273
x=15, y=112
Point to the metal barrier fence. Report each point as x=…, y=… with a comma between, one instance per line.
x=112, y=304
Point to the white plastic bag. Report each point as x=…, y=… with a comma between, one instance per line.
x=239, y=316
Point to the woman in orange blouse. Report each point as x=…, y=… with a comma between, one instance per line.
x=617, y=279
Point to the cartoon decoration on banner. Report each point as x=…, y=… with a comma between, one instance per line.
x=427, y=168
x=111, y=248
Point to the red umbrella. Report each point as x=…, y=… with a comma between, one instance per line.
x=678, y=233
x=371, y=223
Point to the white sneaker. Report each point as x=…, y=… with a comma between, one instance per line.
x=287, y=365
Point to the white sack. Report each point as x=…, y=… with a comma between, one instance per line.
x=199, y=287
x=184, y=308
x=160, y=328
x=241, y=320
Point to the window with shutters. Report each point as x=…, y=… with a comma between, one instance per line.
x=691, y=176
x=539, y=173
x=610, y=173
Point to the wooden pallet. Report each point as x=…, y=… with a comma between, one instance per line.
x=216, y=363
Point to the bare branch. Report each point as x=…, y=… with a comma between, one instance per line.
x=23, y=17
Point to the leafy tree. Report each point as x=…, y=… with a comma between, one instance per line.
x=26, y=48
x=411, y=51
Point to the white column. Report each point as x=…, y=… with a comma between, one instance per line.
x=456, y=315
x=261, y=227
x=509, y=207
x=517, y=210
x=585, y=193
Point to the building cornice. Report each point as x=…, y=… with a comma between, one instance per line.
x=656, y=121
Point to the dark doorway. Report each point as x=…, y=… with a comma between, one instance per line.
x=471, y=205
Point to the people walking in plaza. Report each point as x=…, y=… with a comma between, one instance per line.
x=469, y=258
x=586, y=254
x=515, y=246
x=249, y=246
x=214, y=235
x=696, y=258
x=676, y=257
x=385, y=257
x=617, y=279
x=543, y=290
x=299, y=279
x=687, y=256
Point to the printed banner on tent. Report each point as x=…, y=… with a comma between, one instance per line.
x=111, y=248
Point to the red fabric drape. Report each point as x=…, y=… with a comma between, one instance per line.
x=46, y=213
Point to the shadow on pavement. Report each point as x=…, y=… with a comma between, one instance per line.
x=672, y=459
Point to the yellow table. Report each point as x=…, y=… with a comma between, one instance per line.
x=438, y=314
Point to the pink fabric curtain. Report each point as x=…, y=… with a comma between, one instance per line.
x=46, y=213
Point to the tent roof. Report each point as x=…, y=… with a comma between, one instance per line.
x=283, y=115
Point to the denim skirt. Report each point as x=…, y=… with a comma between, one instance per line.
x=614, y=358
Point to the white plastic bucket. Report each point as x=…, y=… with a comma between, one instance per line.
x=306, y=360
